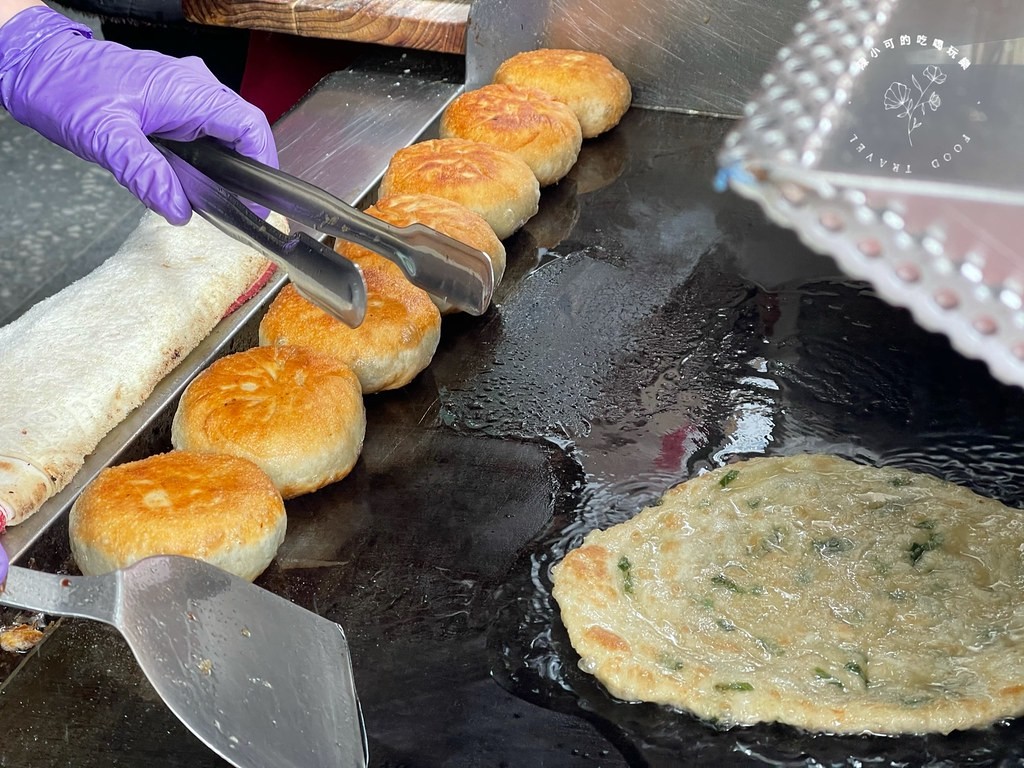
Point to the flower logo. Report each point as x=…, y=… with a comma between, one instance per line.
x=899, y=96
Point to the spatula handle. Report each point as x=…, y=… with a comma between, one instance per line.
x=88, y=597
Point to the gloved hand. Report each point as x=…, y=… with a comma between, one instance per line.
x=3, y=565
x=100, y=100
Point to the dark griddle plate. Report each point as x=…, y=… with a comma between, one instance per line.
x=647, y=328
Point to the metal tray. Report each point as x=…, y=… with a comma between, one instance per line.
x=647, y=327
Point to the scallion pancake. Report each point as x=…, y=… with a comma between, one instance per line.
x=808, y=590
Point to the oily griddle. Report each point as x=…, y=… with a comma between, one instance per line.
x=647, y=327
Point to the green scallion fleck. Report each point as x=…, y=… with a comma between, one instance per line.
x=827, y=677
x=728, y=477
x=627, y=575
x=832, y=546
x=721, y=580
x=770, y=647
x=736, y=686
x=853, y=666
x=918, y=548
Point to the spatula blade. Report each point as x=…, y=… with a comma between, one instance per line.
x=258, y=679
x=261, y=681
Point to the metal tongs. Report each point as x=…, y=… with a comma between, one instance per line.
x=327, y=279
x=451, y=270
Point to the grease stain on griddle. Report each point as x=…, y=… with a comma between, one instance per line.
x=560, y=337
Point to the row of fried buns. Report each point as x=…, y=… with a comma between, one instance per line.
x=288, y=417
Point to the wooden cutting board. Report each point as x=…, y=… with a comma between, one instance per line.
x=432, y=25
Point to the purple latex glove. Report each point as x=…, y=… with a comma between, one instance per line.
x=100, y=100
x=3, y=565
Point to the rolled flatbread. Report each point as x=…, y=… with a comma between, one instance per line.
x=74, y=365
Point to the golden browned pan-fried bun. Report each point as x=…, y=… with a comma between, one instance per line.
x=808, y=590
x=490, y=181
x=589, y=83
x=525, y=121
x=448, y=218
x=395, y=341
x=294, y=412
x=217, y=508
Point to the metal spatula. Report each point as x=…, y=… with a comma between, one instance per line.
x=261, y=681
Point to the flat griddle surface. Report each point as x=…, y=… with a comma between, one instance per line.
x=647, y=328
